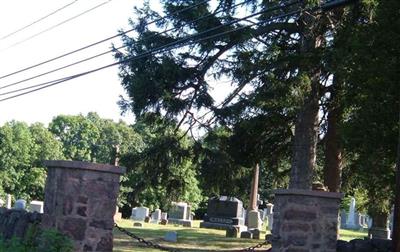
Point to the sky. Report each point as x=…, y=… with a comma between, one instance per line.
x=98, y=92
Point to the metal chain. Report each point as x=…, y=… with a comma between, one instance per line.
x=158, y=246
x=253, y=248
x=141, y=240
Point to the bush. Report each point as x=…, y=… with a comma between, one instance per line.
x=38, y=241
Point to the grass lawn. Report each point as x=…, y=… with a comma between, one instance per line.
x=192, y=239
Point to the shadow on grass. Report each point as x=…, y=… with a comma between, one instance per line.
x=189, y=239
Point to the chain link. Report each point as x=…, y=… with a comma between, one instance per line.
x=160, y=247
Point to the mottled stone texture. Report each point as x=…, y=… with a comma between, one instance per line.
x=80, y=200
x=305, y=221
x=15, y=223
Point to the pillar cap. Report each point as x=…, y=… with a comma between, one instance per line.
x=321, y=194
x=82, y=165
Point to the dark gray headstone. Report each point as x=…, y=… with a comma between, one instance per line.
x=223, y=206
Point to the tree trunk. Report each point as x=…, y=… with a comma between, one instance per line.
x=305, y=142
x=396, y=215
x=333, y=150
x=306, y=126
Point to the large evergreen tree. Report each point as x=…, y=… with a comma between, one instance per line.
x=276, y=67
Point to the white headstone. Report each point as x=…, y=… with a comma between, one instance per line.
x=1, y=203
x=36, y=206
x=8, y=201
x=156, y=216
x=351, y=223
x=270, y=208
x=254, y=220
x=139, y=213
x=178, y=210
x=20, y=204
x=164, y=216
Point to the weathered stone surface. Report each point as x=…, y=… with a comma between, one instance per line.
x=305, y=221
x=366, y=245
x=105, y=244
x=16, y=222
x=80, y=201
x=75, y=228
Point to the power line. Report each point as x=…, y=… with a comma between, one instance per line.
x=109, y=51
x=100, y=41
x=167, y=47
x=38, y=20
x=57, y=25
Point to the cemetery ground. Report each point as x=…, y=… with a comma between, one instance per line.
x=193, y=239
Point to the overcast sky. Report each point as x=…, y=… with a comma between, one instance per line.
x=97, y=92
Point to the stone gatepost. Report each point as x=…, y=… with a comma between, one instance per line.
x=305, y=220
x=80, y=200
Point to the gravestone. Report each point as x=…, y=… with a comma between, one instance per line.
x=1, y=203
x=270, y=215
x=343, y=219
x=224, y=212
x=8, y=201
x=253, y=220
x=139, y=213
x=164, y=216
x=351, y=216
x=36, y=206
x=255, y=233
x=156, y=216
x=232, y=232
x=179, y=213
x=246, y=235
x=270, y=208
x=20, y=204
x=262, y=214
x=171, y=236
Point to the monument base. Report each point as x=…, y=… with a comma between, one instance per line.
x=222, y=226
x=185, y=223
x=305, y=220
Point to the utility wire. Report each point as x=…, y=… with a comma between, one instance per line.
x=56, y=25
x=101, y=41
x=167, y=47
x=38, y=20
x=110, y=51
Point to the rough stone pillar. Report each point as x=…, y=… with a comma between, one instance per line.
x=80, y=200
x=305, y=220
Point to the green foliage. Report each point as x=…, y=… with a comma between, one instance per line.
x=372, y=94
x=22, y=150
x=38, y=241
x=162, y=171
